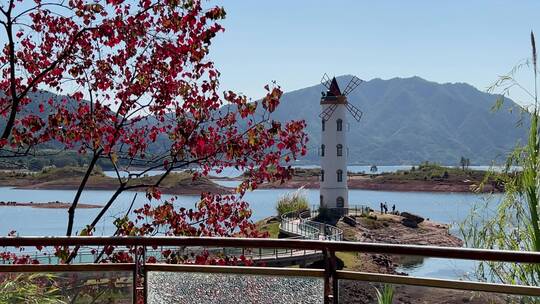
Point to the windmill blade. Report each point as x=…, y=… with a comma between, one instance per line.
x=353, y=83
x=355, y=112
x=325, y=81
x=327, y=113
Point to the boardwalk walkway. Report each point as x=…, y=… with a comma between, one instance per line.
x=294, y=224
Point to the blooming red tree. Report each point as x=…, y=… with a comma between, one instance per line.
x=135, y=75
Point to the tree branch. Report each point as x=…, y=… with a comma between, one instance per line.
x=71, y=210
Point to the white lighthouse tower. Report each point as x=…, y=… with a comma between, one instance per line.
x=333, y=151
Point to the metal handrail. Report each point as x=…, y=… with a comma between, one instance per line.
x=307, y=228
x=330, y=274
x=302, y=229
x=397, y=249
x=316, y=230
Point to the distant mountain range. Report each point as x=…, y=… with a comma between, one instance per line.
x=405, y=121
x=411, y=120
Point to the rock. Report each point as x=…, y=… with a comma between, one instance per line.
x=349, y=220
x=409, y=223
x=413, y=217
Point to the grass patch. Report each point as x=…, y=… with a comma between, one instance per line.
x=350, y=259
x=271, y=228
x=292, y=201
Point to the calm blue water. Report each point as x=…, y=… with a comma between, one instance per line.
x=441, y=207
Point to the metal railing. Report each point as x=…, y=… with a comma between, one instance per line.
x=299, y=223
x=353, y=210
x=265, y=255
x=331, y=275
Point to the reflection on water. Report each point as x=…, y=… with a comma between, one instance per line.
x=436, y=267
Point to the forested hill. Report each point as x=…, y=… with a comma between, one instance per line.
x=410, y=120
x=405, y=121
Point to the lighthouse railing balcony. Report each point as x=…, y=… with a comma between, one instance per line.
x=142, y=281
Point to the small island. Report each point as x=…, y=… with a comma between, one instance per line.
x=69, y=178
x=425, y=177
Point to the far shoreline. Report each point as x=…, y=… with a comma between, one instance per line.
x=48, y=205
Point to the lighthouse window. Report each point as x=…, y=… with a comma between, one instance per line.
x=340, y=202
x=339, y=123
x=339, y=149
x=321, y=200
x=322, y=175
x=322, y=149
x=323, y=124
x=339, y=176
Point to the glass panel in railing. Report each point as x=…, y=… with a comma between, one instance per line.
x=189, y=287
x=66, y=287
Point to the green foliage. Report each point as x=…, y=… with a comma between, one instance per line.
x=272, y=228
x=514, y=223
x=431, y=171
x=58, y=158
x=53, y=173
x=33, y=288
x=464, y=163
x=292, y=201
x=324, y=214
x=372, y=217
x=386, y=296
x=35, y=164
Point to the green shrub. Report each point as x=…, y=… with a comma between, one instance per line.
x=514, y=223
x=386, y=296
x=292, y=201
x=33, y=288
x=324, y=214
x=372, y=217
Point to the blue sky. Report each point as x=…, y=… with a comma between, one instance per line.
x=295, y=42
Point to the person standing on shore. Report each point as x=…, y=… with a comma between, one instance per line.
x=382, y=207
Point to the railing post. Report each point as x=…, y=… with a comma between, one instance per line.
x=331, y=286
x=135, y=276
x=335, y=282
x=145, y=276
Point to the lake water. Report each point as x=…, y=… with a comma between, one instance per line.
x=441, y=207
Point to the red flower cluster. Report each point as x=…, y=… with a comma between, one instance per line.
x=139, y=89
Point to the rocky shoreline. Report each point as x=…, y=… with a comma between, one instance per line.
x=424, y=178
x=367, y=183
x=395, y=229
x=70, y=179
